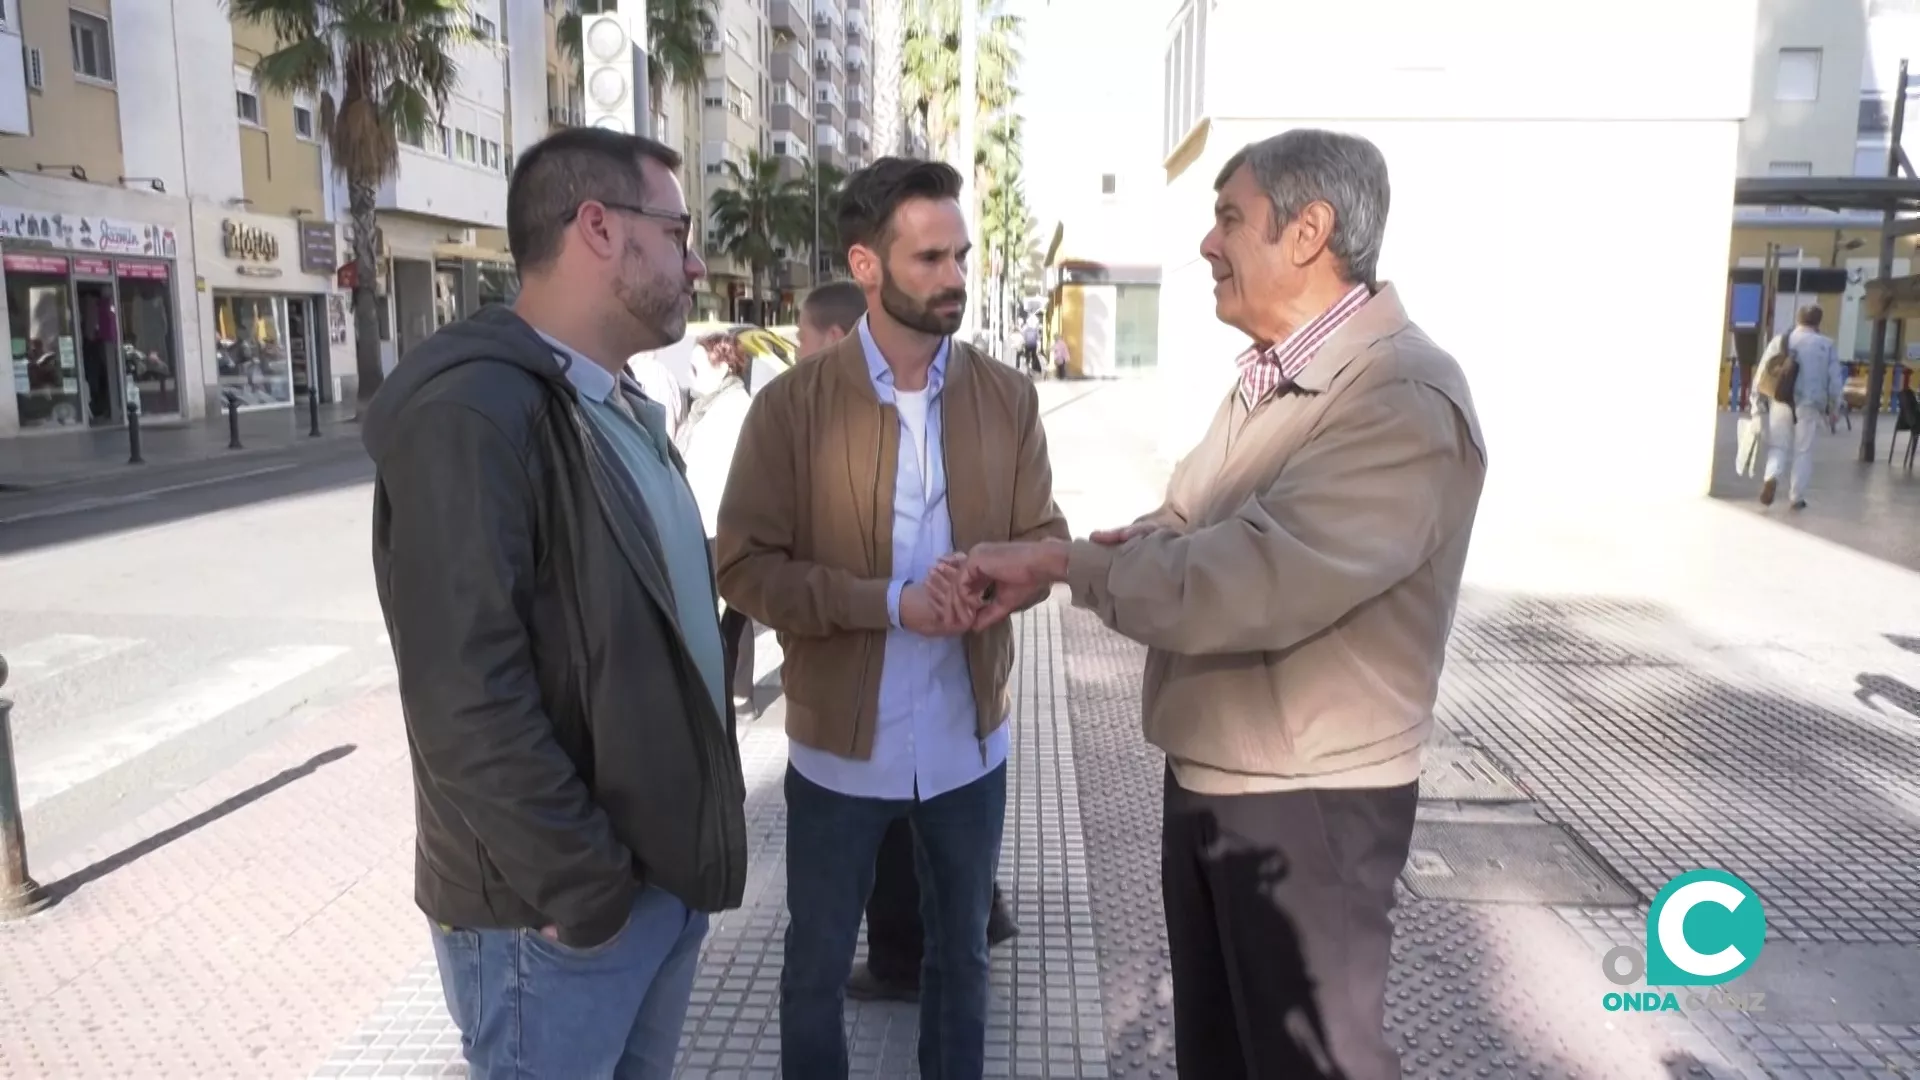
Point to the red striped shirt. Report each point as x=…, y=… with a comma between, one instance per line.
x=1265, y=371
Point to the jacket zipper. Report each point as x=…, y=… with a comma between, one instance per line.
x=709, y=824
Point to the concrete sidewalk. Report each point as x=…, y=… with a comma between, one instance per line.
x=1627, y=698
x=33, y=462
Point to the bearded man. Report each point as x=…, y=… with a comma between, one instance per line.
x=856, y=473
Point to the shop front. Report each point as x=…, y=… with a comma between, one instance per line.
x=275, y=321
x=91, y=315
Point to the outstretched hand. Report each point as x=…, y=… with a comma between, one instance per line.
x=1007, y=577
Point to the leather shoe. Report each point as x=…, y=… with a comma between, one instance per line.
x=864, y=985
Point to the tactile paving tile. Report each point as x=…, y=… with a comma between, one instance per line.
x=1045, y=1018
x=1662, y=766
x=1475, y=991
x=1508, y=863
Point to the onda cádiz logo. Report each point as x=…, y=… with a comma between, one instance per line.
x=1704, y=929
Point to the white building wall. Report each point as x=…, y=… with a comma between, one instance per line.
x=200, y=90
x=1491, y=140
x=1783, y=128
x=526, y=28
x=146, y=54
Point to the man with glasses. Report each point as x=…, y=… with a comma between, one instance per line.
x=547, y=588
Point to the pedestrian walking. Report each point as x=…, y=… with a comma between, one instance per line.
x=1295, y=592
x=1800, y=386
x=857, y=472
x=547, y=588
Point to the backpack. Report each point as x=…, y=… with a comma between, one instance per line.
x=1777, y=380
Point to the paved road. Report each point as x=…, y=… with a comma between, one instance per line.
x=159, y=624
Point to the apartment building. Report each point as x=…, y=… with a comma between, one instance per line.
x=794, y=82
x=95, y=231
x=1478, y=172
x=1824, y=77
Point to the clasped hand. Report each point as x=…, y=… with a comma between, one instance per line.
x=974, y=590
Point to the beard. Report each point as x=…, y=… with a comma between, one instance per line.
x=655, y=301
x=919, y=315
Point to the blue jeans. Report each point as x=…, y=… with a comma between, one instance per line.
x=530, y=1007
x=831, y=843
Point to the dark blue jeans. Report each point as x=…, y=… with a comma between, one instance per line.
x=831, y=843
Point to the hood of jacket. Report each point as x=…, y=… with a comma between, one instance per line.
x=496, y=333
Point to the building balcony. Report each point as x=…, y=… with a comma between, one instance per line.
x=826, y=54
x=856, y=55
x=790, y=118
x=856, y=22
x=789, y=144
x=859, y=130
x=827, y=114
x=786, y=15
x=826, y=136
x=829, y=9
x=566, y=115
x=857, y=94
x=432, y=186
x=856, y=111
x=789, y=64
x=827, y=94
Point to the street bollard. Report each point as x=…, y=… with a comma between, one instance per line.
x=19, y=896
x=133, y=420
x=133, y=434
x=313, y=407
x=233, y=422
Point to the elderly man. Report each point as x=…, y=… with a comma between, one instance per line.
x=1296, y=591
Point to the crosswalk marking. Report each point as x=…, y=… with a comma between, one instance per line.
x=167, y=717
x=43, y=658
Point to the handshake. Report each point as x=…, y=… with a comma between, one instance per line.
x=972, y=590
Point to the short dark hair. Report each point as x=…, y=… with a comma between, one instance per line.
x=870, y=196
x=555, y=175
x=837, y=303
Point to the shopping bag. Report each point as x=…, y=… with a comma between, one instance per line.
x=1746, y=445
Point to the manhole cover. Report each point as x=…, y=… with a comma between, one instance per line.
x=1455, y=772
x=1509, y=863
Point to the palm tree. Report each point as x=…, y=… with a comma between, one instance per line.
x=930, y=73
x=391, y=62
x=677, y=31
x=757, y=214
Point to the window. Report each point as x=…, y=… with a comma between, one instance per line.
x=1184, y=74
x=92, y=48
x=303, y=123
x=714, y=96
x=739, y=101
x=446, y=140
x=1798, y=77
x=1784, y=169
x=1107, y=183
x=483, y=28
x=246, y=97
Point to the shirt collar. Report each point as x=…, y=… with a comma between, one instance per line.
x=594, y=382
x=882, y=375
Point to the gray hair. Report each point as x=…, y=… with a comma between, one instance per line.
x=1309, y=165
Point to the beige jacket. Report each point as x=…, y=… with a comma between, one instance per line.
x=1297, y=604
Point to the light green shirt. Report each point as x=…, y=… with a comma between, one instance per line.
x=641, y=442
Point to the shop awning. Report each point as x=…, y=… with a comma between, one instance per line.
x=1876, y=194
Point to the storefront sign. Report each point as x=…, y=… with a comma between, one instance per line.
x=83, y=232
x=318, y=249
x=95, y=267
x=35, y=264
x=257, y=271
x=243, y=241
x=144, y=271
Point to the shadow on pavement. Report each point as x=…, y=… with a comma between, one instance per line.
x=67, y=886
x=1659, y=759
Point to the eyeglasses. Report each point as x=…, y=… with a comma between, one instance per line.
x=685, y=221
